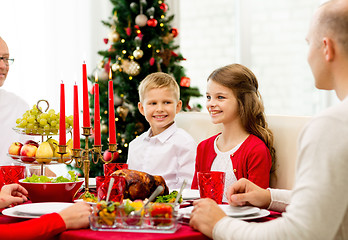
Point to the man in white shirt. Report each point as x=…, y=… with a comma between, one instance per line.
x=11, y=108
x=317, y=207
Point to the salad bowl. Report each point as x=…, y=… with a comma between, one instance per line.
x=52, y=191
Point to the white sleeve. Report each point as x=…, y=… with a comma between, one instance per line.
x=186, y=163
x=280, y=199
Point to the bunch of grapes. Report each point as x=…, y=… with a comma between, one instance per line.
x=34, y=121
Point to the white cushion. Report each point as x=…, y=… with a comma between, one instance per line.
x=286, y=130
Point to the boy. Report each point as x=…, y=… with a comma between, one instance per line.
x=164, y=149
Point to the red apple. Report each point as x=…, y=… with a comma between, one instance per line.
x=28, y=153
x=32, y=142
x=15, y=149
x=107, y=156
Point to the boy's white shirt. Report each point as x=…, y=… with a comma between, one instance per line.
x=170, y=154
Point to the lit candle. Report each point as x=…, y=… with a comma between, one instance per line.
x=62, y=132
x=97, y=137
x=76, y=126
x=86, y=117
x=112, y=128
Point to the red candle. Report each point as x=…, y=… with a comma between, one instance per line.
x=62, y=133
x=76, y=126
x=97, y=137
x=86, y=117
x=112, y=128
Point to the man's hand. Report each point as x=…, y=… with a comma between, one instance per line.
x=205, y=215
x=243, y=192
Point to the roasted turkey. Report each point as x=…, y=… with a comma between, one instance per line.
x=140, y=185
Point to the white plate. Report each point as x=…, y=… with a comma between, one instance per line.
x=189, y=194
x=90, y=203
x=35, y=210
x=262, y=213
x=229, y=210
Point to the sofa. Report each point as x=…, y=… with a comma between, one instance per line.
x=286, y=130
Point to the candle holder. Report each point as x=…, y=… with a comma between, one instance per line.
x=82, y=156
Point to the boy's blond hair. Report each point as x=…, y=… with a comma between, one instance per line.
x=158, y=80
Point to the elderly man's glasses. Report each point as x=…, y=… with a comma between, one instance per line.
x=6, y=60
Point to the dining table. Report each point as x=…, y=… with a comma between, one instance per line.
x=184, y=232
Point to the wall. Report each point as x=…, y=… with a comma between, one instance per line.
x=267, y=36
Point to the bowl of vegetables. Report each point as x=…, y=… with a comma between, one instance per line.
x=45, y=189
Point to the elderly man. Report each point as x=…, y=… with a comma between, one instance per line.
x=11, y=108
x=317, y=207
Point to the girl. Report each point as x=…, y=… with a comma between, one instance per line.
x=244, y=148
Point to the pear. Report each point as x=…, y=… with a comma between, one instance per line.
x=70, y=143
x=53, y=143
x=44, y=153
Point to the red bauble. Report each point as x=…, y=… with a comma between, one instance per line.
x=106, y=40
x=174, y=31
x=107, y=156
x=92, y=90
x=164, y=7
x=152, y=61
x=185, y=82
x=129, y=31
x=174, y=54
x=152, y=22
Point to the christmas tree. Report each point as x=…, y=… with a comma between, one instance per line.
x=140, y=42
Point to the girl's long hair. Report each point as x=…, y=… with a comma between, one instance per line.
x=244, y=85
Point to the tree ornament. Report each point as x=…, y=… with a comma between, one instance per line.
x=114, y=36
x=118, y=101
x=166, y=56
x=106, y=40
x=130, y=67
x=164, y=7
x=101, y=64
x=151, y=12
x=152, y=61
x=114, y=17
x=138, y=53
x=102, y=74
x=92, y=90
x=140, y=127
x=152, y=22
x=185, y=82
x=141, y=20
x=115, y=67
x=122, y=112
x=167, y=38
x=104, y=129
x=174, y=31
x=134, y=7
x=143, y=3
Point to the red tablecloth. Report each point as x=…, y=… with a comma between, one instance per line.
x=185, y=232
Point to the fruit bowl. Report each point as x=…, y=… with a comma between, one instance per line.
x=51, y=192
x=36, y=160
x=39, y=131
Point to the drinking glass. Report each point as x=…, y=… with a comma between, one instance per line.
x=211, y=185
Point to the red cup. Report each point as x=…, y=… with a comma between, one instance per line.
x=211, y=185
x=99, y=181
x=11, y=174
x=117, y=190
x=112, y=167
